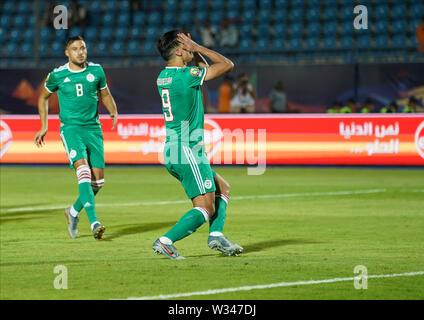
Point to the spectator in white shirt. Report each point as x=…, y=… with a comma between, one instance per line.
x=228, y=35
x=244, y=97
x=208, y=34
x=278, y=99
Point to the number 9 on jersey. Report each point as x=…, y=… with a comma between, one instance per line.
x=166, y=104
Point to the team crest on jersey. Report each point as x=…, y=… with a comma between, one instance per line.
x=195, y=71
x=90, y=77
x=208, y=184
x=73, y=154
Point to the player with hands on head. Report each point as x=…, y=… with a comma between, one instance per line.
x=180, y=89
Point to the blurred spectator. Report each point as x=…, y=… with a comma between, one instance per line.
x=419, y=32
x=368, y=106
x=335, y=108
x=391, y=108
x=77, y=15
x=278, y=99
x=225, y=94
x=244, y=96
x=134, y=6
x=228, y=35
x=349, y=107
x=352, y=104
x=48, y=16
x=412, y=106
x=208, y=34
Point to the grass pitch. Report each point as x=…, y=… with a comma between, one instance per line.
x=296, y=224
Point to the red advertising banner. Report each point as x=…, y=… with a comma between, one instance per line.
x=314, y=139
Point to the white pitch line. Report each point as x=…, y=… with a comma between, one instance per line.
x=289, y=195
x=271, y=285
x=159, y=203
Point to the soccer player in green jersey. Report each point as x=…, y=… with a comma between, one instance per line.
x=180, y=89
x=77, y=84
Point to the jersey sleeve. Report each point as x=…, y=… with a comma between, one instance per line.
x=196, y=76
x=102, y=80
x=51, y=83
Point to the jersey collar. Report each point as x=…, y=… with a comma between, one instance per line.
x=75, y=71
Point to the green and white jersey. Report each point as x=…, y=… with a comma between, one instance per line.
x=180, y=90
x=77, y=93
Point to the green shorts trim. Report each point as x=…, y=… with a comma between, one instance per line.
x=84, y=143
x=195, y=174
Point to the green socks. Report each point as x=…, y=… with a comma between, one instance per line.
x=86, y=197
x=78, y=204
x=216, y=223
x=188, y=224
x=86, y=194
x=194, y=218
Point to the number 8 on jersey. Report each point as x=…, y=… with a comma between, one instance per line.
x=78, y=87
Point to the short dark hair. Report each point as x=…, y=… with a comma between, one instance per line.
x=70, y=40
x=167, y=42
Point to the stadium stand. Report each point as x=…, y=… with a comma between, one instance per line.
x=268, y=29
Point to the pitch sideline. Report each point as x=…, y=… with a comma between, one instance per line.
x=271, y=285
x=156, y=203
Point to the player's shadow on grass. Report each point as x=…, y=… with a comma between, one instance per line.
x=18, y=206
x=7, y=217
x=264, y=245
x=129, y=229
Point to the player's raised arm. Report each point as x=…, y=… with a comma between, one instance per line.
x=220, y=64
x=110, y=105
x=43, y=111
